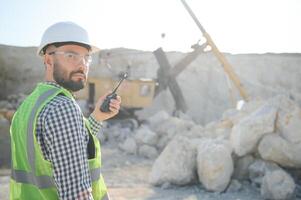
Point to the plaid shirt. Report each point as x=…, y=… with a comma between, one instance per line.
x=63, y=138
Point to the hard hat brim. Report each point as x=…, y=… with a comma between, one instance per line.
x=94, y=49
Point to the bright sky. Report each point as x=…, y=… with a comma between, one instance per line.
x=236, y=26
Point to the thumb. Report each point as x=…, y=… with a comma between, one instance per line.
x=102, y=98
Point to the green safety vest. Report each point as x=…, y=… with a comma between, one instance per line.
x=32, y=175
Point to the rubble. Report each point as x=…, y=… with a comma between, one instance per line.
x=250, y=145
x=256, y=151
x=148, y=151
x=214, y=165
x=129, y=146
x=275, y=148
x=241, y=168
x=278, y=185
x=176, y=164
x=246, y=134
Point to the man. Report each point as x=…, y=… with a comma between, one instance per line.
x=55, y=152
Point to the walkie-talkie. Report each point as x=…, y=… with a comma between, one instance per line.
x=105, y=106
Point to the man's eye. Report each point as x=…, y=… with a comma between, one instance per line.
x=70, y=55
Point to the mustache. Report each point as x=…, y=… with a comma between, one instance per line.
x=77, y=72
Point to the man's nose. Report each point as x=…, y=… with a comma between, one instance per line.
x=84, y=62
x=83, y=66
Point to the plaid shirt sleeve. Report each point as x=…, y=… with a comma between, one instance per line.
x=95, y=125
x=66, y=143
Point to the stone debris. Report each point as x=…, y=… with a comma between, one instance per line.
x=234, y=186
x=275, y=148
x=148, y=151
x=278, y=184
x=258, y=169
x=251, y=146
x=257, y=147
x=214, y=165
x=176, y=164
x=145, y=136
x=129, y=146
x=241, y=168
x=246, y=134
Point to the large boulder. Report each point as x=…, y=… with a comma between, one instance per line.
x=288, y=119
x=176, y=164
x=170, y=128
x=241, y=169
x=156, y=119
x=214, y=165
x=129, y=146
x=275, y=148
x=145, y=136
x=148, y=151
x=278, y=185
x=235, y=115
x=220, y=129
x=259, y=168
x=246, y=134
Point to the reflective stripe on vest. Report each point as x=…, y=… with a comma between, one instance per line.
x=22, y=176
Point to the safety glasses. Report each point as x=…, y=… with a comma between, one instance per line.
x=73, y=58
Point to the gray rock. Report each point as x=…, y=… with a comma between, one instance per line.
x=116, y=133
x=148, y=151
x=196, y=131
x=275, y=148
x=170, y=128
x=259, y=168
x=218, y=129
x=252, y=106
x=246, y=134
x=129, y=146
x=241, y=169
x=235, y=186
x=157, y=118
x=278, y=185
x=230, y=113
x=145, y=136
x=176, y=164
x=288, y=119
x=214, y=165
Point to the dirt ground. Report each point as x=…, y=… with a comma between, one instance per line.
x=127, y=178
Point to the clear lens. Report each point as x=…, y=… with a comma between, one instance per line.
x=73, y=57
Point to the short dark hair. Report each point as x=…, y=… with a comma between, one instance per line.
x=59, y=44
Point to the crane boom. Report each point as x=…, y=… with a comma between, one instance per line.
x=226, y=65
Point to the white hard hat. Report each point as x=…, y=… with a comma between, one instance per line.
x=65, y=32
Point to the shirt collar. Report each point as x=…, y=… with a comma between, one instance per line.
x=53, y=84
x=58, y=86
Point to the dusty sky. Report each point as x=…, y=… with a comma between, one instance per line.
x=236, y=26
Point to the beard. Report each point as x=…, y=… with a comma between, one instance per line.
x=65, y=80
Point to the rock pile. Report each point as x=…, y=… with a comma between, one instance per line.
x=259, y=145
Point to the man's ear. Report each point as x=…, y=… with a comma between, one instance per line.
x=48, y=61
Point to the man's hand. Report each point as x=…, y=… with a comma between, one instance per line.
x=114, y=108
